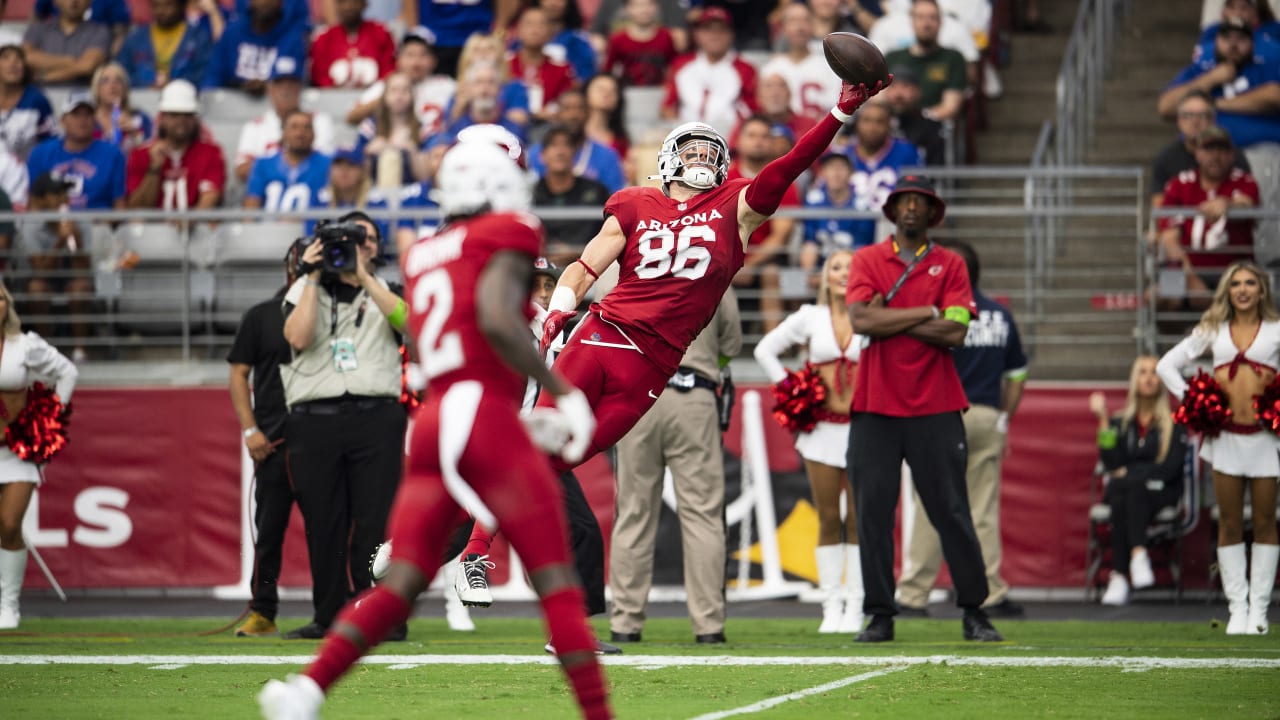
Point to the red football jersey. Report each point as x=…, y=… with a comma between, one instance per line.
x=441, y=275
x=340, y=60
x=1225, y=241
x=790, y=198
x=640, y=63
x=679, y=259
x=182, y=179
x=545, y=81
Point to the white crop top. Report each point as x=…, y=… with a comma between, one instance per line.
x=1264, y=351
x=809, y=326
x=27, y=358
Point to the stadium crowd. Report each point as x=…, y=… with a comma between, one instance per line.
x=424, y=71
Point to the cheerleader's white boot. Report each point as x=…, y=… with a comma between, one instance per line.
x=851, y=620
x=13, y=565
x=830, y=559
x=1235, y=585
x=1262, y=578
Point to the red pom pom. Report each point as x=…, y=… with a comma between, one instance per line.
x=39, y=432
x=797, y=398
x=1267, y=407
x=409, y=399
x=1204, y=407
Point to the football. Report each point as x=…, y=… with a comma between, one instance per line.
x=855, y=59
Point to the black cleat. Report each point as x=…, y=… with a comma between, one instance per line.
x=716, y=638
x=619, y=637
x=880, y=629
x=978, y=627
x=310, y=631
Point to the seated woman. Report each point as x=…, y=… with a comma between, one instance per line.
x=392, y=140
x=118, y=122
x=1143, y=453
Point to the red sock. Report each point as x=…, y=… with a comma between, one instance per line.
x=374, y=614
x=567, y=626
x=479, y=542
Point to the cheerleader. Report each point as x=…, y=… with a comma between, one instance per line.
x=24, y=358
x=827, y=334
x=1242, y=330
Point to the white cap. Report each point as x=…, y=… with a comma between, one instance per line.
x=179, y=96
x=10, y=39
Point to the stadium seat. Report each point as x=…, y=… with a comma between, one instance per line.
x=149, y=297
x=230, y=105
x=644, y=119
x=1164, y=534
x=249, y=267
x=145, y=99
x=333, y=101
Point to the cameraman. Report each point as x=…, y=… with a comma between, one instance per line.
x=346, y=426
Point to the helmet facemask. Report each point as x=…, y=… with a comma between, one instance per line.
x=695, y=155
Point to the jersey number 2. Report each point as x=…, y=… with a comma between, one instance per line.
x=663, y=252
x=438, y=352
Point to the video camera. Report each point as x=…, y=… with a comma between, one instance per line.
x=340, y=247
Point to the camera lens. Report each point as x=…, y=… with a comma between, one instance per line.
x=336, y=256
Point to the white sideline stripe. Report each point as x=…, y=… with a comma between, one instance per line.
x=773, y=701
x=661, y=661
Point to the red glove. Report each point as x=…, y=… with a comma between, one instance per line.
x=853, y=96
x=553, y=326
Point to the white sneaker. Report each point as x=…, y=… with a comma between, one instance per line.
x=471, y=580
x=297, y=698
x=991, y=85
x=1117, y=591
x=9, y=618
x=1140, y=571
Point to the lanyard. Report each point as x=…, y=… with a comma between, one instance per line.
x=333, y=310
x=903, y=277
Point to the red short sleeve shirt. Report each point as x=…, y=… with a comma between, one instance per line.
x=899, y=375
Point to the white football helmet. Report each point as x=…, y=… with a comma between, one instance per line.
x=496, y=134
x=479, y=176
x=693, y=154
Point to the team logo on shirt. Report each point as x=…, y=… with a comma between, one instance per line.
x=935, y=270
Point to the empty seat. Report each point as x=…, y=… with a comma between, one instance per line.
x=153, y=242
x=255, y=243
x=250, y=267
x=223, y=104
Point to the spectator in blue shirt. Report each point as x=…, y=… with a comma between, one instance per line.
x=189, y=57
x=1266, y=31
x=834, y=189
x=26, y=117
x=592, y=160
x=94, y=168
x=292, y=178
x=453, y=22
x=112, y=13
x=569, y=42
x=247, y=50
x=478, y=97
x=1245, y=85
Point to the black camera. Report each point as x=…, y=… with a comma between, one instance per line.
x=340, y=246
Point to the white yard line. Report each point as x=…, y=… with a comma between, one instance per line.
x=773, y=701
x=663, y=661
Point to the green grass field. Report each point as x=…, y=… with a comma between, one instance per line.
x=769, y=669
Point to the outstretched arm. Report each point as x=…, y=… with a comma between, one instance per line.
x=760, y=199
x=598, y=255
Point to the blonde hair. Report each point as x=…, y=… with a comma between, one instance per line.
x=1222, y=311
x=96, y=81
x=824, y=291
x=474, y=45
x=12, y=323
x=1163, y=414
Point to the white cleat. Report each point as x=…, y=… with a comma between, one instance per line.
x=381, y=561
x=1117, y=591
x=471, y=580
x=9, y=619
x=296, y=698
x=455, y=613
x=1140, y=571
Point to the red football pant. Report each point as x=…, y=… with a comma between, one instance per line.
x=453, y=460
x=620, y=383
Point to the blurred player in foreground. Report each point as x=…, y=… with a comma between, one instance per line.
x=469, y=307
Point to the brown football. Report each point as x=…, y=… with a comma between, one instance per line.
x=854, y=58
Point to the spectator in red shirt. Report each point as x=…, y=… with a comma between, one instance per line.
x=711, y=85
x=907, y=400
x=177, y=170
x=1206, y=242
x=354, y=53
x=544, y=77
x=766, y=249
x=773, y=96
x=640, y=53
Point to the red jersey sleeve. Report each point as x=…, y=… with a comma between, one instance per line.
x=1172, y=198
x=747, y=72
x=214, y=177
x=518, y=231
x=1248, y=187
x=619, y=207
x=136, y=167
x=860, y=286
x=956, y=289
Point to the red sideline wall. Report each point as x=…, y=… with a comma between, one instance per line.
x=148, y=492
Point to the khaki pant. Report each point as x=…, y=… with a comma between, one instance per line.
x=680, y=432
x=924, y=554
